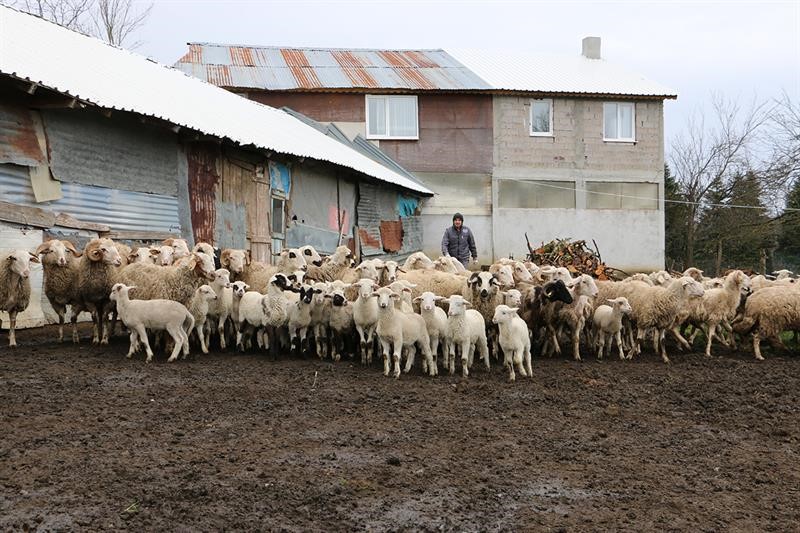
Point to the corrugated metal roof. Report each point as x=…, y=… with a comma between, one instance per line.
x=275, y=68
x=86, y=68
x=515, y=71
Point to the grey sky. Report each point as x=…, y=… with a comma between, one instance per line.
x=739, y=49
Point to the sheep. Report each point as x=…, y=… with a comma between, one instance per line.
x=504, y=275
x=140, y=315
x=439, y=283
x=341, y=320
x=164, y=256
x=333, y=267
x=482, y=291
x=205, y=248
x=449, y=264
x=389, y=273
x=783, y=274
x=760, y=282
x=694, y=273
x=397, y=330
x=219, y=309
x=435, y=322
x=258, y=275
x=251, y=319
x=179, y=246
x=365, y=317
x=238, y=288
x=662, y=277
x=198, y=307
x=299, y=317
x=536, y=298
x=236, y=261
x=296, y=278
x=583, y=290
x=142, y=254
x=176, y=283
x=718, y=306
x=96, y=276
x=514, y=340
x=310, y=255
x=767, y=313
x=657, y=308
x=320, y=318
x=15, y=286
x=404, y=288
x=418, y=261
x=467, y=331
x=60, y=264
x=275, y=310
x=607, y=322
x=639, y=276
x=512, y=298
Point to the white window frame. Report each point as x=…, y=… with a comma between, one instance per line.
x=633, y=122
x=548, y=133
x=389, y=136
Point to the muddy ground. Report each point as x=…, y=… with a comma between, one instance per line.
x=93, y=441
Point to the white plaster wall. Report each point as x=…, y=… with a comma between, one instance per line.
x=433, y=230
x=630, y=240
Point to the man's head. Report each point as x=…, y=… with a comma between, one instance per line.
x=458, y=220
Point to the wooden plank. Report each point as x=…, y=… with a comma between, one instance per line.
x=30, y=216
x=68, y=221
x=140, y=235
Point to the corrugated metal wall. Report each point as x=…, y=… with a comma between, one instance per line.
x=120, y=210
x=119, y=153
x=379, y=222
x=18, y=141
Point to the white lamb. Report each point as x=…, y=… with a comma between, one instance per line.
x=467, y=330
x=157, y=315
x=397, y=330
x=435, y=322
x=607, y=321
x=198, y=307
x=365, y=317
x=299, y=318
x=514, y=340
x=341, y=319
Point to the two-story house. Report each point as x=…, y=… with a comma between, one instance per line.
x=551, y=146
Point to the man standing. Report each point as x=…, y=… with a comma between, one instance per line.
x=458, y=241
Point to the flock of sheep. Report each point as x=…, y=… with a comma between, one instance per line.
x=331, y=307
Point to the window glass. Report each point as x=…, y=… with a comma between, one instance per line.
x=390, y=117
x=377, y=115
x=536, y=194
x=278, y=226
x=540, y=116
x=621, y=195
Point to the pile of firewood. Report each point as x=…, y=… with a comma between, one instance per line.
x=576, y=256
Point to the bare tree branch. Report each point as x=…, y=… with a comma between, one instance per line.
x=116, y=20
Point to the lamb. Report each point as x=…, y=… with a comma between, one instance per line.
x=536, y=298
x=60, y=263
x=435, y=322
x=311, y=256
x=198, y=307
x=397, y=330
x=783, y=274
x=176, y=283
x=504, y=275
x=296, y=278
x=180, y=247
x=583, y=290
x=142, y=254
x=341, y=320
x=275, y=310
x=334, y=267
x=365, y=317
x=767, y=313
x=219, y=309
x=439, y=283
x=467, y=331
x=238, y=288
x=514, y=340
x=258, y=275
x=418, y=261
x=299, y=317
x=607, y=322
x=404, y=288
x=512, y=298
x=164, y=256
x=140, y=315
x=96, y=277
x=657, y=308
x=389, y=273
x=15, y=286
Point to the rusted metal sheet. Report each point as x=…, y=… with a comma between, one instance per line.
x=203, y=180
x=219, y=75
x=18, y=142
x=391, y=235
x=381, y=231
x=275, y=68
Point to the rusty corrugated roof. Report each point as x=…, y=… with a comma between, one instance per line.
x=275, y=68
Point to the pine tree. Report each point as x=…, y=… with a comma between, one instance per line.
x=675, y=215
x=788, y=251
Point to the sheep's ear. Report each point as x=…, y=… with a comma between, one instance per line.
x=132, y=257
x=154, y=251
x=394, y=296
x=467, y=304
x=513, y=309
x=439, y=299
x=34, y=258
x=247, y=257
x=42, y=247
x=401, y=269
x=224, y=257
x=358, y=268
x=71, y=247
x=169, y=242
x=417, y=299
x=330, y=296
x=95, y=254
x=473, y=279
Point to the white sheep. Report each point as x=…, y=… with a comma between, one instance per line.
x=320, y=318
x=60, y=264
x=311, y=256
x=179, y=246
x=397, y=330
x=333, y=267
x=466, y=331
x=607, y=322
x=299, y=317
x=365, y=318
x=514, y=340
x=15, y=286
x=435, y=322
x=198, y=307
x=418, y=261
x=783, y=274
x=767, y=313
x=341, y=319
x=141, y=315
x=238, y=288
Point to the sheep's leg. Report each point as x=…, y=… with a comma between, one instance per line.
x=412, y=352
x=60, y=310
x=661, y=334
x=576, y=342
x=430, y=360
x=693, y=336
x=73, y=319
x=683, y=343
x=517, y=358
x=451, y=358
x=95, y=330
x=466, y=354
x=385, y=348
x=239, y=334
x=177, y=338
x=12, y=338
x=757, y=346
x=527, y=356
x=618, y=336
x=199, y=328
x=134, y=343
x=435, y=352
x=485, y=355
x=370, y=343
x=362, y=343
x=105, y=323
x=637, y=347
x=303, y=340
x=731, y=334
x=142, y=333
x=398, y=353
x=509, y=364
x=185, y=336
x=339, y=344
x=712, y=328
x=600, y=343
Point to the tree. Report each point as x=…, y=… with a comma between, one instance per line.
x=675, y=213
x=703, y=156
x=114, y=21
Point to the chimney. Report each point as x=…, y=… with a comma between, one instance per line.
x=591, y=47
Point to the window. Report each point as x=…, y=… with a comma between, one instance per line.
x=621, y=195
x=278, y=224
x=541, y=118
x=536, y=194
x=392, y=117
x=618, y=122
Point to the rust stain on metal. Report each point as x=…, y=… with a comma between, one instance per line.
x=392, y=235
x=242, y=56
x=219, y=75
x=407, y=70
x=367, y=240
x=203, y=179
x=301, y=69
x=420, y=60
x=354, y=69
x=18, y=142
x=194, y=55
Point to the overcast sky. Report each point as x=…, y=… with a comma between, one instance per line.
x=743, y=50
